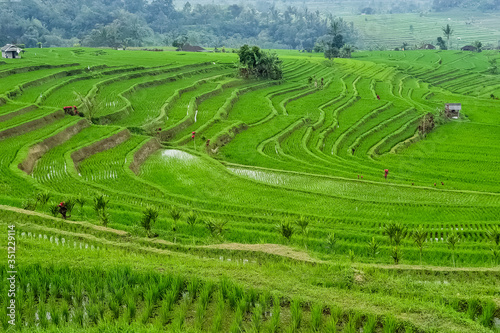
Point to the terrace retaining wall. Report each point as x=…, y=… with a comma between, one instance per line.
x=143, y=153
x=31, y=125
x=22, y=111
x=100, y=146
x=38, y=150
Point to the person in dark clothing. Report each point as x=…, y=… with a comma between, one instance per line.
x=63, y=210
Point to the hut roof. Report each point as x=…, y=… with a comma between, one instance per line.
x=428, y=47
x=192, y=48
x=11, y=48
x=468, y=48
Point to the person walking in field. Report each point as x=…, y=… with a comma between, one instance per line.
x=386, y=172
x=378, y=97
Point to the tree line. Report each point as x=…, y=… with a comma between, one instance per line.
x=136, y=23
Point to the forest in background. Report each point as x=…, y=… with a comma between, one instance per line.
x=136, y=23
x=278, y=24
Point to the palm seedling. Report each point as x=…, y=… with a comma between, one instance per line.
x=452, y=240
x=419, y=235
x=285, y=229
x=42, y=198
x=176, y=215
x=396, y=254
x=191, y=220
x=373, y=247
x=216, y=228
x=303, y=223
x=396, y=233
x=494, y=235
x=149, y=217
x=331, y=240
x=100, y=207
x=80, y=200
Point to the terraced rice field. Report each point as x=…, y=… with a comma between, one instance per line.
x=182, y=131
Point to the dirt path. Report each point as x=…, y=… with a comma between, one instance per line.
x=82, y=223
x=275, y=249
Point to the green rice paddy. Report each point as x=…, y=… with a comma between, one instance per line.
x=182, y=131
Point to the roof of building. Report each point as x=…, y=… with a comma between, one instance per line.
x=11, y=48
x=192, y=48
x=428, y=47
x=454, y=106
x=468, y=48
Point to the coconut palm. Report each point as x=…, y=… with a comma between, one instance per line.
x=447, y=31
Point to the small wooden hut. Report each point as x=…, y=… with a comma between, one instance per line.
x=452, y=110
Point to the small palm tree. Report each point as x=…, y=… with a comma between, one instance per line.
x=42, y=198
x=452, y=240
x=80, y=200
x=176, y=215
x=191, y=219
x=149, y=217
x=396, y=254
x=396, y=233
x=419, y=235
x=302, y=223
x=352, y=256
x=373, y=247
x=285, y=229
x=216, y=228
x=331, y=240
x=100, y=207
x=494, y=235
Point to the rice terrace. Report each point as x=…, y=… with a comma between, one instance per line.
x=355, y=194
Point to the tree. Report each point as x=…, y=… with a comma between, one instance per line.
x=448, y=32
x=478, y=45
x=452, y=240
x=260, y=64
x=87, y=105
x=179, y=42
x=419, y=235
x=441, y=43
x=346, y=51
x=493, y=69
